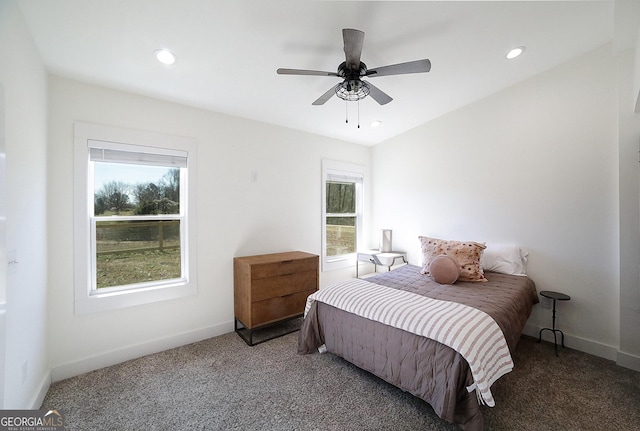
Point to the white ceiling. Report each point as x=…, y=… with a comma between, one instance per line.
x=228, y=52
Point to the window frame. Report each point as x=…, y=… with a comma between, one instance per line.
x=90, y=300
x=336, y=169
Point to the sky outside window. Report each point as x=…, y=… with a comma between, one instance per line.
x=126, y=173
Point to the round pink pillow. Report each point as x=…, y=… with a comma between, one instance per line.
x=444, y=269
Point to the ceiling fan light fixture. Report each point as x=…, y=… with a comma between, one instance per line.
x=352, y=90
x=165, y=56
x=515, y=52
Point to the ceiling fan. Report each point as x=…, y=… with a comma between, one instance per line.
x=353, y=88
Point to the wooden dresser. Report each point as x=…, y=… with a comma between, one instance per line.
x=271, y=288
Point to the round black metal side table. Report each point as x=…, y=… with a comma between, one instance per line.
x=556, y=296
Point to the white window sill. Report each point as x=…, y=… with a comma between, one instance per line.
x=341, y=262
x=97, y=302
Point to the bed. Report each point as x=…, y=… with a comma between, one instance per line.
x=428, y=369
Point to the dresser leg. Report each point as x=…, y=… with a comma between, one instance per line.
x=247, y=334
x=248, y=338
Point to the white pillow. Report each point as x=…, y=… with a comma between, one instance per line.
x=504, y=258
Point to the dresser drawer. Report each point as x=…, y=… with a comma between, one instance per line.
x=283, y=267
x=265, y=288
x=275, y=309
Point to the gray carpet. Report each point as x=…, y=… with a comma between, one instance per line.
x=223, y=384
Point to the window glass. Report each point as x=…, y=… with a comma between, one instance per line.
x=130, y=252
x=341, y=235
x=130, y=248
x=127, y=189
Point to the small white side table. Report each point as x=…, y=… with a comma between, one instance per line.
x=376, y=257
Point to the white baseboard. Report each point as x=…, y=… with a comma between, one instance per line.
x=44, y=385
x=64, y=371
x=3, y=349
x=612, y=353
x=628, y=360
x=582, y=344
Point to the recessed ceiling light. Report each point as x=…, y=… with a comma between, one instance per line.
x=515, y=52
x=165, y=56
x=376, y=123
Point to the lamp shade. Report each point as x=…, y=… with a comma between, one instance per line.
x=385, y=240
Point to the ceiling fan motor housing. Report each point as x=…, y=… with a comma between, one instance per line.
x=348, y=73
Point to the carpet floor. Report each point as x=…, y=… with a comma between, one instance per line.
x=223, y=384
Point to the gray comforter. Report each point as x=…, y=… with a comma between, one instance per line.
x=430, y=370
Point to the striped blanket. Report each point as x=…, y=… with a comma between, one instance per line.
x=469, y=331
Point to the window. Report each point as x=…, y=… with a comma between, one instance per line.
x=342, y=191
x=134, y=234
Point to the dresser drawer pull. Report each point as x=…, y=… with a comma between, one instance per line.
x=285, y=296
x=286, y=261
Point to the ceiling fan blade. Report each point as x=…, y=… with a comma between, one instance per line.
x=353, y=41
x=418, y=66
x=282, y=71
x=326, y=96
x=378, y=95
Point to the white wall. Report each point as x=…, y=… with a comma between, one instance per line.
x=636, y=75
x=279, y=212
x=3, y=248
x=536, y=164
x=24, y=82
x=629, y=139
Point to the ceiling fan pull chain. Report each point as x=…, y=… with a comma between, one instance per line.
x=346, y=112
x=358, y=114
